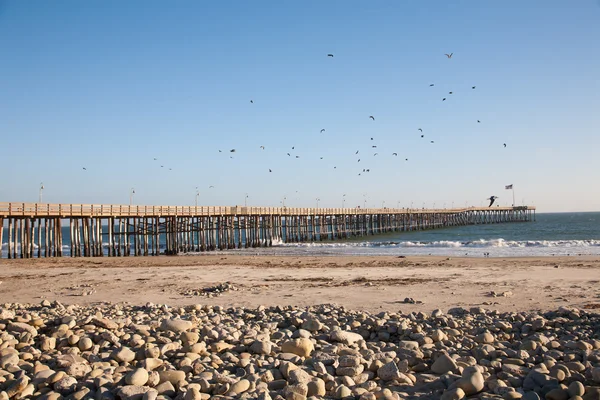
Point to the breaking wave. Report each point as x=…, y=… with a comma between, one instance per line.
x=481, y=243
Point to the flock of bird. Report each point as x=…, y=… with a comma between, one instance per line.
x=364, y=170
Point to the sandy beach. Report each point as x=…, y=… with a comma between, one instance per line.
x=362, y=283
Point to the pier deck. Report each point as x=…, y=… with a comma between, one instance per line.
x=36, y=230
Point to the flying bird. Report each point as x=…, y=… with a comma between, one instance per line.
x=262, y=147
x=297, y=156
x=252, y=101
x=330, y=55
x=374, y=147
x=420, y=129
x=406, y=159
x=356, y=152
x=371, y=138
x=432, y=141
x=220, y=151
x=84, y=168
x=289, y=155
x=372, y=117
x=492, y=199
x=293, y=148
x=478, y=121
x=232, y=151
x=162, y=166
x=270, y=170
x=449, y=92
x=359, y=160
x=431, y=85
x=375, y=154
x=155, y=159
x=395, y=154
x=322, y=130
x=422, y=136
x=473, y=87
x=449, y=55
x=444, y=99
x=321, y=158
x=504, y=144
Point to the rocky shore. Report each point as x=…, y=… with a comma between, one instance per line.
x=120, y=351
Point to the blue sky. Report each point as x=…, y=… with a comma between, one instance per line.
x=110, y=85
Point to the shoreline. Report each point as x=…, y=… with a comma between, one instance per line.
x=370, y=283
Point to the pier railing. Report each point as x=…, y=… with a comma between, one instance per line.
x=118, y=210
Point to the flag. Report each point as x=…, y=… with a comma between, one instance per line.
x=508, y=187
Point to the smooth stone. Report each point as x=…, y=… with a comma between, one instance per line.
x=345, y=337
x=192, y=394
x=316, y=388
x=21, y=327
x=171, y=376
x=240, y=386
x=444, y=364
x=342, y=392
x=176, y=325
x=301, y=347
x=124, y=354
x=471, y=384
x=137, y=377
x=557, y=394
x=261, y=347
x=576, y=389
x=105, y=323
x=453, y=394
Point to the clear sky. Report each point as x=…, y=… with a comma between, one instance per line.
x=110, y=85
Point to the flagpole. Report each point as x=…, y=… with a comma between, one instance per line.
x=513, y=190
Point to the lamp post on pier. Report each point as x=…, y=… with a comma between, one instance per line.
x=318, y=199
x=131, y=196
x=197, y=195
x=383, y=204
x=246, y=200
x=41, y=190
x=343, y=201
x=364, y=200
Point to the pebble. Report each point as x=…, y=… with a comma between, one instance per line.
x=302, y=347
x=444, y=364
x=131, y=392
x=453, y=394
x=176, y=325
x=158, y=352
x=138, y=377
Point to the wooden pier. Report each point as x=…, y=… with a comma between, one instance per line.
x=40, y=230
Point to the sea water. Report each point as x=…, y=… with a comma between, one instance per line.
x=558, y=234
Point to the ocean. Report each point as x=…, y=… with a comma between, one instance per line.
x=558, y=234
